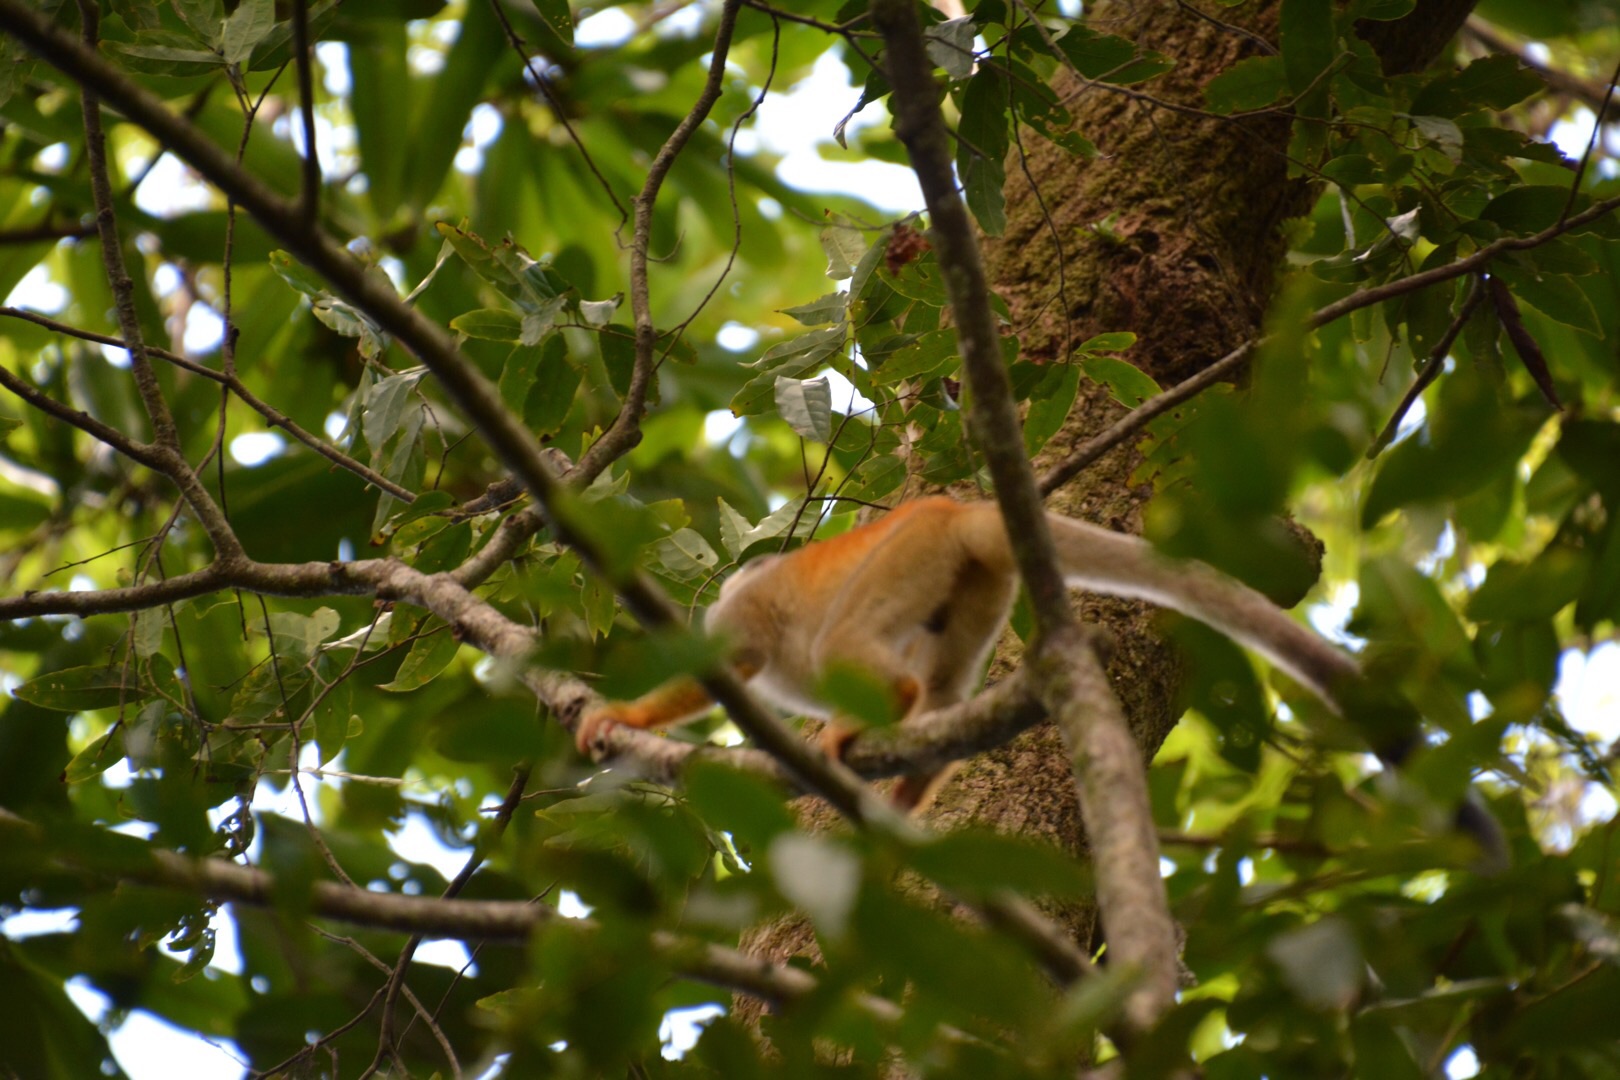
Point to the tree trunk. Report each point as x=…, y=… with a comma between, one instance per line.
x=1173, y=232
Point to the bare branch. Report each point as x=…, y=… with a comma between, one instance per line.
x=1141, y=416
x=166, y=438
x=1430, y=370
x=1069, y=675
x=1469, y=264
x=1124, y=845
x=311, y=187
x=144, y=453
x=557, y=110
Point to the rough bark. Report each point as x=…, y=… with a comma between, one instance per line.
x=1188, y=261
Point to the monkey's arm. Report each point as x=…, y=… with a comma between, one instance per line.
x=676, y=700
x=680, y=698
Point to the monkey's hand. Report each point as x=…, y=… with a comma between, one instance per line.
x=597, y=722
x=676, y=700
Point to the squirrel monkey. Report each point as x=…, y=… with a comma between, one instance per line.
x=919, y=597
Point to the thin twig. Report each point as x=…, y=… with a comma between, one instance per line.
x=625, y=431
x=481, y=849
x=1591, y=144
x=273, y=416
x=557, y=110
x=303, y=60
x=1430, y=370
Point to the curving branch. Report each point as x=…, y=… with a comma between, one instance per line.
x=1068, y=674
x=625, y=432
x=165, y=448
x=463, y=920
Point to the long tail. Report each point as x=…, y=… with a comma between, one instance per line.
x=1118, y=565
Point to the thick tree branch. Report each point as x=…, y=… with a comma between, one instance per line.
x=1124, y=845
x=1069, y=675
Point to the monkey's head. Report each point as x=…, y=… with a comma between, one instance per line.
x=748, y=571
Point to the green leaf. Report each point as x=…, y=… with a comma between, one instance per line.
x=789, y=359
x=844, y=248
x=246, y=27
x=686, y=555
x=1321, y=963
x=294, y=273
x=819, y=876
x=558, y=17
x=806, y=405
x=430, y=654
x=1127, y=384
x=1555, y=295
x=1445, y=134
x=1519, y=592
x=980, y=863
x=332, y=715
x=385, y=407
x=1248, y=84
x=982, y=146
x=738, y=802
x=950, y=45
x=556, y=382
x=1491, y=82
x=102, y=754
x=1305, y=33
x=1109, y=58
x=168, y=54
x=490, y=324
x=147, y=631
x=828, y=309
x=930, y=356
x=81, y=689
x=599, y=313
x=206, y=17
x=1049, y=405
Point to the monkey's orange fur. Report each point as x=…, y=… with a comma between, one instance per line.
x=918, y=598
